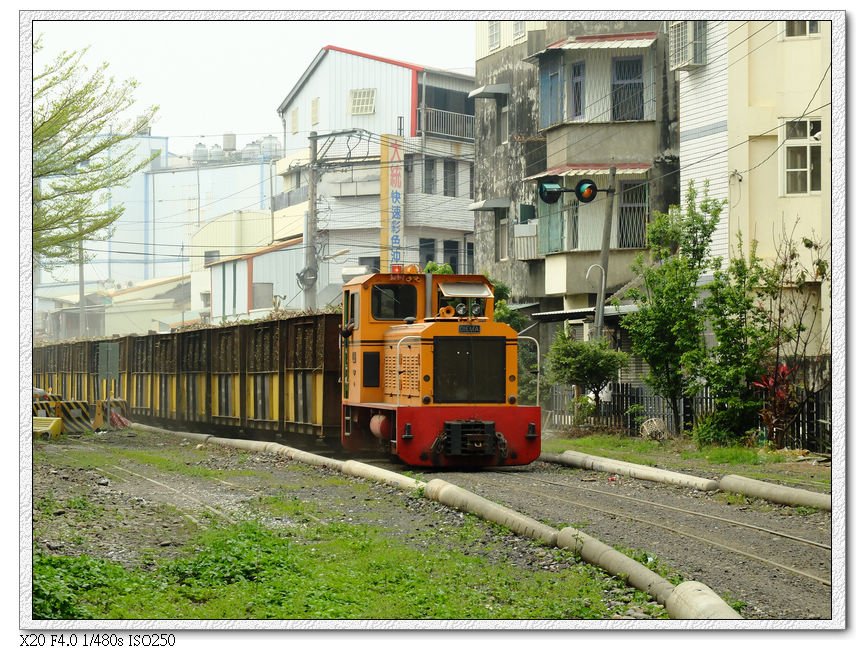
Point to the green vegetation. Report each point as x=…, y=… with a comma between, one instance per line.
x=322, y=571
x=590, y=364
x=81, y=150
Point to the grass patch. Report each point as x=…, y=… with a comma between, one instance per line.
x=326, y=571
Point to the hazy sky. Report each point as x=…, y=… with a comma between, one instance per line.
x=209, y=77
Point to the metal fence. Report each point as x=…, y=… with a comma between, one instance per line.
x=811, y=429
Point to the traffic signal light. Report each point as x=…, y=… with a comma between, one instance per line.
x=549, y=189
x=586, y=191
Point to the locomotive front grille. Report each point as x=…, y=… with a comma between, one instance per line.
x=469, y=438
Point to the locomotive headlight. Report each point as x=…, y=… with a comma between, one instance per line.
x=477, y=309
x=461, y=309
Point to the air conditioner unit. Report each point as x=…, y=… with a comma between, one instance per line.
x=687, y=44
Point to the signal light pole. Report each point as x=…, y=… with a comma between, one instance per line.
x=550, y=191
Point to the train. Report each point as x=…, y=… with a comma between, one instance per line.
x=415, y=366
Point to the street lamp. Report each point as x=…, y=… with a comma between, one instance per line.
x=599, y=304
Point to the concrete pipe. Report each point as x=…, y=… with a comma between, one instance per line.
x=613, y=562
x=776, y=493
x=694, y=600
x=461, y=499
x=596, y=463
x=362, y=470
x=197, y=437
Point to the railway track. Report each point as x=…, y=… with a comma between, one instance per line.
x=774, y=558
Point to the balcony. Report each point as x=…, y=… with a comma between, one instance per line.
x=446, y=124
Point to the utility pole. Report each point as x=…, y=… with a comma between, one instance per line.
x=605, y=255
x=310, y=273
x=82, y=311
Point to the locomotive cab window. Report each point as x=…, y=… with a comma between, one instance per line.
x=472, y=295
x=394, y=301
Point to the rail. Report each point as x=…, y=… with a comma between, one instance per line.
x=538, y=365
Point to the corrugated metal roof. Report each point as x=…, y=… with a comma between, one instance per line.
x=591, y=169
x=600, y=42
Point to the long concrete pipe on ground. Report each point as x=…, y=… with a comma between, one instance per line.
x=578, y=459
x=732, y=483
x=777, y=493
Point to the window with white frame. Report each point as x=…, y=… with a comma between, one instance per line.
x=314, y=111
x=362, y=101
x=794, y=28
x=577, y=104
x=501, y=225
x=802, y=162
x=494, y=34
x=687, y=44
x=519, y=28
x=503, y=121
x=295, y=120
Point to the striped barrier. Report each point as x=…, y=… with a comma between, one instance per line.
x=45, y=406
x=111, y=414
x=75, y=416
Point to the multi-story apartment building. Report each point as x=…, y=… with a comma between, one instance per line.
x=755, y=105
x=371, y=127
x=569, y=100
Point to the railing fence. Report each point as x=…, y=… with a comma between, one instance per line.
x=811, y=429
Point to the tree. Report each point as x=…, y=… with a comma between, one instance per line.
x=667, y=329
x=743, y=339
x=590, y=364
x=79, y=131
x=435, y=267
x=798, y=364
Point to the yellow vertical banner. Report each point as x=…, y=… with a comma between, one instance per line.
x=392, y=192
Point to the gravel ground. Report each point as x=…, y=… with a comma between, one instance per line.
x=131, y=512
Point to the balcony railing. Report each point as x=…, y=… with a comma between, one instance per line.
x=287, y=199
x=446, y=124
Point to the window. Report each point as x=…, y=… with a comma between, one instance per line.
x=314, y=111
x=527, y=212
x=687, y=44
x=210, y=257
x=519, y=28
x=427, y=252
x=793, y=28
x=550, y=92
x=394, y=301
x=262, y=295
x=295, y=119
x=363, y=101
x=470, y=257
x=502, y=120
x=450, y=178
x=633, y=213
x=627, y=90
x=429, y=176
x=452, y=254
x=501, y=221
x=372, y=263
x=802, y=164
x=578, y=90
x=494, y=34
x=471, y=180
